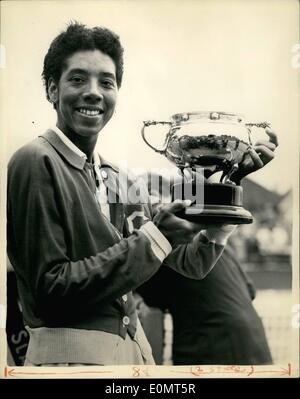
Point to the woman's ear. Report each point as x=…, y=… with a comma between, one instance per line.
x=52, y=91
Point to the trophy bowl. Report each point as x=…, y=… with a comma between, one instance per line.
x=204, y=143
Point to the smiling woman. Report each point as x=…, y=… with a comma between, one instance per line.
x=94, y=247
x=84, y=97
x=82, y=73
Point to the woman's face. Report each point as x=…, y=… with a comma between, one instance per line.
x=86, y=94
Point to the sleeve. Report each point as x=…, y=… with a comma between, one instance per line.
x=38, y=245
x=196, y=259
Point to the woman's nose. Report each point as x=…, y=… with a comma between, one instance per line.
x=93, y=90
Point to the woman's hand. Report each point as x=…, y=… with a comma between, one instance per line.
x=180, y=231
x=257, y=157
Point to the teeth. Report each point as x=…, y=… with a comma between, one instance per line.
x=89, y=112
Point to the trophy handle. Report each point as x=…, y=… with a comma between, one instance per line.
x=149, y=123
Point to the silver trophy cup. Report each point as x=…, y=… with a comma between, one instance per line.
x=213, y=142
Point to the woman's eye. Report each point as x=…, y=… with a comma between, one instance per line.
x=77, y=79
x=108, y=83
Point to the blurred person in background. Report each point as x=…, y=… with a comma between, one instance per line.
x=214, y=320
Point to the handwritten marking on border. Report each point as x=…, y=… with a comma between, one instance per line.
x=13, y=373
x=246, y=371
x=193, y=371
x=140, y=372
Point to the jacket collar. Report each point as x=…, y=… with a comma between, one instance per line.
x=69, y=155
x=73, y=158
x=67, y=141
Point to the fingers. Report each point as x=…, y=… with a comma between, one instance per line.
x=175, y=206
x=265, y=153
x=179, y=230
x=272, y=143
x=264, y=150
x=166, y=211
x=258, y=163
x=268, y=144
x=272, y=136
x=257, y=156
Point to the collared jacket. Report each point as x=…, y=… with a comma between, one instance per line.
x=74, y=267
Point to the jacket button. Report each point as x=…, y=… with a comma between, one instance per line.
x=124, y=297
x=126, y=320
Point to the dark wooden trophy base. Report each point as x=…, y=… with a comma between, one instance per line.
x=222, y=203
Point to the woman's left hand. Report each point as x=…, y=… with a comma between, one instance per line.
x=257, y=157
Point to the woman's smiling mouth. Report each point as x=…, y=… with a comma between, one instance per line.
x=89, y=112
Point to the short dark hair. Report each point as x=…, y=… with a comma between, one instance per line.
x=78, y=37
